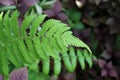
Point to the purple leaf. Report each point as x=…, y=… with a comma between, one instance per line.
x=62, y=16
x=76, y=32
x=57, y=7
x=6, y=2
x=112, y=73
x=30, y=2
x=106, y=54
x=87, y=32
x=101, y=63
x=1, y=77
x=20, y=74
x=27, y=2
x=109, y=47
x=109, y=65
x=50, y=13
x=24, y=5
x=56, y=12
x=103, y=72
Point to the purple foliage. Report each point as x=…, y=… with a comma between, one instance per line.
x=56, y=12
x=107, y=68
x=1, y=77
x=24, y=5
x=7, y=2
x=20, y=74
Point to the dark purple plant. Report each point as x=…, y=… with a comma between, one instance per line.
x=1, y=77
x=56, y=12
x=19, y=74
x=107, y=69
x=24, y=5
x=7, y=2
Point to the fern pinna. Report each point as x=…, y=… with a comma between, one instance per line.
x=45, y=40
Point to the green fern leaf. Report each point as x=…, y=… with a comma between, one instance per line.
x=73, y=58
x=31, y=48
x=6, y=23
x=39, y=49
x=36, y=24
x=14, y=24
x=46, y=66
x=54, y=40
x=88, y=58
x=46, y=26
x=57, y=66
x=4, y=64
x=81, y=59
x=25, y=24
x=67, y=62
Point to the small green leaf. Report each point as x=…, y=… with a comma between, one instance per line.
x=73, y=58
x=88, y=58
x=46, y=66
x=79, y=26
x=25, y=24
x=57, y=66
x=36, y=24
x=81, y=59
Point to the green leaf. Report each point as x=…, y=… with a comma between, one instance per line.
x=81, y=59
x=4, y=65
x=25, y=24
x=14, y=24
x=88, y=58
x=73, y=58
x=75, y=15
x=46, y=66
x=36, y=24
x=67, y=62
x=57, y=66
x=79, y=26
x=25, y=48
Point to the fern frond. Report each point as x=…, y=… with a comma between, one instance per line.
x=36, y=23
x=57, y=65
x=25, y=24
x=46, y=66
x=81, y=59
x=14, y=24
x=23, y=48
x=4, y=64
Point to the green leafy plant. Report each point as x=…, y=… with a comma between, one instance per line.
x=45, y=40
x=75, y=19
